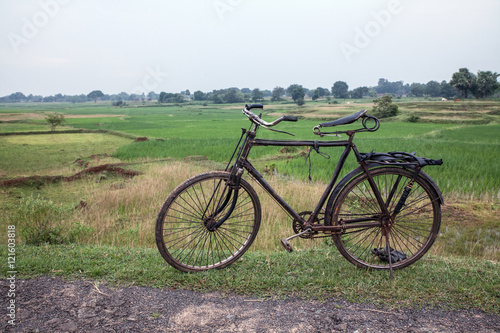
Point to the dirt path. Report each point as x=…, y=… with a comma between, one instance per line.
x=47, y=304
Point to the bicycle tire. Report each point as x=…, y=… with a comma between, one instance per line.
x=182, y=236
x=413, y=230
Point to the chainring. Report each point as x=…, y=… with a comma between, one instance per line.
x=298, y=227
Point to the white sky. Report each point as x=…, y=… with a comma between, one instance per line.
x=76, y=46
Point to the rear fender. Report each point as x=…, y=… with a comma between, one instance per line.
x=358, y=171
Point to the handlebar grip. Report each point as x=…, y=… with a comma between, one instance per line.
x=254, y=106
x=290, y=118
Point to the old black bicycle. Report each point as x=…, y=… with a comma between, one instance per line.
x=385, y=214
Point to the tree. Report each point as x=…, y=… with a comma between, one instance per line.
x=323, y=91
x=277, y=93
x=463, y=82
x=199, y=96
x=433, y=89
x=417, y=89
x=297, y=92
x=152, y=95
x=340, y=89
x=359, y=92
x=445, y=90
x=54, y=120
x=257, y=95
x=164, y=97
x=384, y=107
x=178, y=98
x=233, y=95
x=486, y=84
x=96, y=94
x=315, y=95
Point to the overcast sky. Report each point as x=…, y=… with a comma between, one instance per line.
x=76, y=46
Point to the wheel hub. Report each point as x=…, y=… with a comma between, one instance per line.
x=209, y=223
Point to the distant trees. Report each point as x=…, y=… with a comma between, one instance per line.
x=14, y=98
x=463, y=83
x=481, y=85
x=396, y=88
x=170, y=98
x=432, y=89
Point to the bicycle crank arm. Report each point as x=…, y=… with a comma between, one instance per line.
x=287, y=245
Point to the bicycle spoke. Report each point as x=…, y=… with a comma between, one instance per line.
x=186, y=243
x=411, y=232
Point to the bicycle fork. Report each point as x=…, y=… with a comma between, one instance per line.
x=210, y=221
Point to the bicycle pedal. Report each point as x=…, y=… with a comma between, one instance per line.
x=286, y=245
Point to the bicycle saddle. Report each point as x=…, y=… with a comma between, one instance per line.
x=345, y=120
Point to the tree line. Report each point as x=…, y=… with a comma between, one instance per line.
x=462, y=84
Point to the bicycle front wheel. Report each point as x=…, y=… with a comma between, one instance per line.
x=182, y=227
x=405, y=236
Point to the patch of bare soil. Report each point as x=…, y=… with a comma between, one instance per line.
x=32, y=115
x=47, y=304
x=93, y=115
x=38, y=180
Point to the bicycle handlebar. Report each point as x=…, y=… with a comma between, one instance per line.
x=256, y=119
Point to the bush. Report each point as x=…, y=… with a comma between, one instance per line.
x=39, y=221
x=384, y=108
x=119, y=104
x=413, y=119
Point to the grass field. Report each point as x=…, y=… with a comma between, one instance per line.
x=107, y=209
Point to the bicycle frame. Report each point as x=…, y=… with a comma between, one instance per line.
x=251, y=141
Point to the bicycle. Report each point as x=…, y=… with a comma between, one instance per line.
x=385, y=214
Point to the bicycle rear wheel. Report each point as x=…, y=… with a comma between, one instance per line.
x=182, y=227
x=406, y=237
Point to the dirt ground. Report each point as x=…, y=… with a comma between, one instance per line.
x=48, y=304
